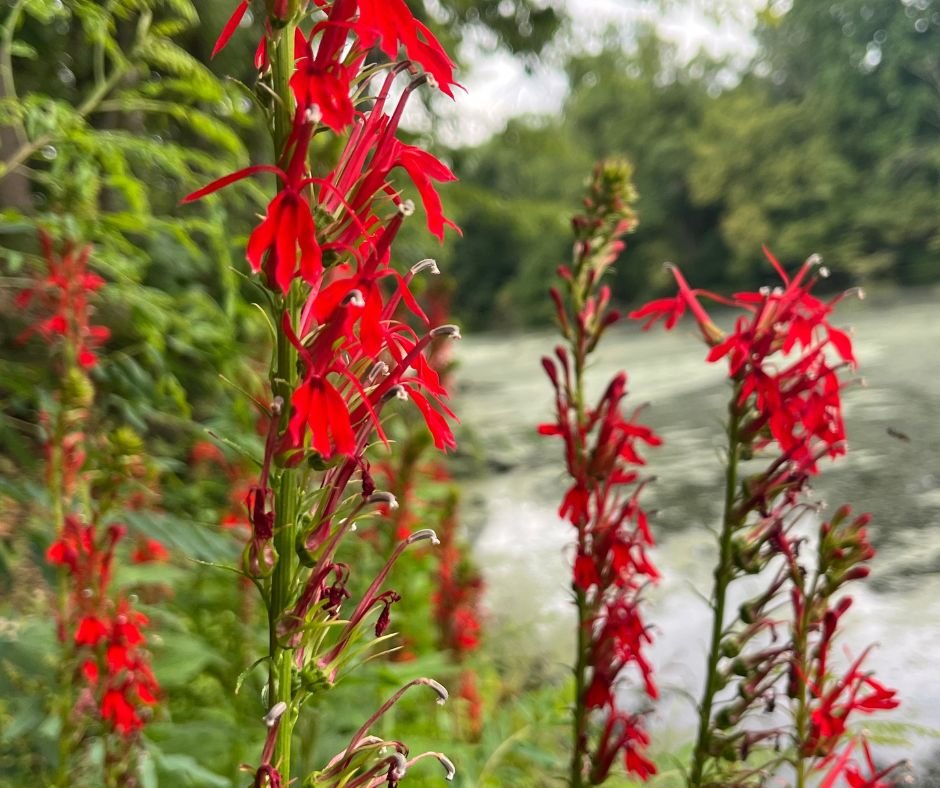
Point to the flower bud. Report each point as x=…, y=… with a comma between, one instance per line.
x=77, y=390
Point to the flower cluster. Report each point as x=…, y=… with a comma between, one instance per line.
x=351, y=339
x=603, y=458
x=347, y=326
x=107, y=633
x=105, y=663
x=63, y=298
x=784, y=362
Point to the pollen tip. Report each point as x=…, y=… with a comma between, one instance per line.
x=395, y=392
x=379, y=370
x=447, y=330
x=275, y=713
x=354, y=298
x=421, y=535
x=814, y=259
x=384, y=497
x=406, y=207
x=440, y=689
x=427, y=264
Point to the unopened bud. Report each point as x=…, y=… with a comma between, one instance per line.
x=427, y=264
x=447, y=330
x=275, y=713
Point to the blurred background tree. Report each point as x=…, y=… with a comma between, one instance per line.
x=826, y=140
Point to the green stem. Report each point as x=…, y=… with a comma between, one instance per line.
x=801, y=656
x=286, y=488
x=7, y=76
x=580, y=685
x=286, y=491
x=724, y=574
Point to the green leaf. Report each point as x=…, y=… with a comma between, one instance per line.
x=184, y=771
x=247, y=672
x=22, y=49
x=46, y=11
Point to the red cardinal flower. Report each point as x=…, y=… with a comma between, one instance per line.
x=287, y=226
x=64, y=296
x=390, y=24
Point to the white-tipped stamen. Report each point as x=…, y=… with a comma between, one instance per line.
x=313, y=114
x=275, y=713
x=277, y=406
x=395, y=392
x=424, y=533
x=814, y=259
x=427, y=264
x=379, y=370
x=354, y=298
x=448, y=764
x=384, y=497
x=824, y=272
x=398, y=769
x=406, y=207
x=440, y=689
x=432, y=81
x=857, y=292
x=447, y=330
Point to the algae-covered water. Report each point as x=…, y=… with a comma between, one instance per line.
x=892, y=471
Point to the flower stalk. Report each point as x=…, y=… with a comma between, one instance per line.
x=611, y=567
x=786, y=361
x=105, y=685
x=350, y=341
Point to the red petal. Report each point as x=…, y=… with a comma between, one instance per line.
x=232, y=177
x=230, y=27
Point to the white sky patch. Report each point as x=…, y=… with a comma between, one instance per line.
x=499, y=88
